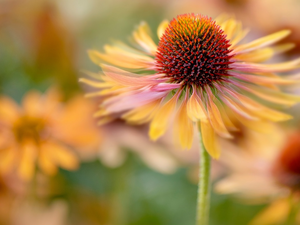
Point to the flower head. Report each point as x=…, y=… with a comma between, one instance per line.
x=193, y=51
x=197, y=73
x=43, y=131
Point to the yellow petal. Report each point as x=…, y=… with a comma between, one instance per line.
x=264, y=54
x=272, y=115
x=195, y=108
x=266, y=80
x=27, y=161
x=46, y=163
x=276, y=213
x=283, y=48
x=229, y=28
x=184, y=128
x=259, y=126
x=97, y=84
x=8, y=159
x=215, y=116
x=61, y=155
x=216, y=120
x=262, y=42
x=273, y=96
x=159, y=123
x=143, y=38
x=260, y=110
x=232, y=28
x=117, y=57
x=126, y=51
x=209, y=140
x=239, y=109
x=239, y=36
x=227, y=121
x=162, y=27
x=260, y=55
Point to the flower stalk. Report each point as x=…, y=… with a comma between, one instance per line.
x=203, y=201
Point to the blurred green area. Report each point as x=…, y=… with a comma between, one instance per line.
x=133, y=194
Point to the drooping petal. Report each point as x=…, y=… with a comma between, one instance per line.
x=184, y=129
x=215, y=117
x=195, y=108
x=224, y=114
x=160, y=121
x=210, y=140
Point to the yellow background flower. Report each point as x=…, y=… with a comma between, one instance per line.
x=44, y=132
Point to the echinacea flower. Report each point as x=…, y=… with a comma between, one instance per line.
x=197, y=71
x=44, y=132
x=270, y=173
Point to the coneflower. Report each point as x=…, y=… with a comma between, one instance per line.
x=193, y=77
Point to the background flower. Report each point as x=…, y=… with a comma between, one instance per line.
x=274, y=165
x=43, y=132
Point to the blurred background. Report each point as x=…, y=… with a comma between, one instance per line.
x=112, y=174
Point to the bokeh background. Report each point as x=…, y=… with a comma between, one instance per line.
x=121, y=178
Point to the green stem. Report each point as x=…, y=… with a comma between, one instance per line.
x=203, y=187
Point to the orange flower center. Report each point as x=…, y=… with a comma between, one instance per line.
x=287, y=166
x=29, y=128
x=193, y=50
